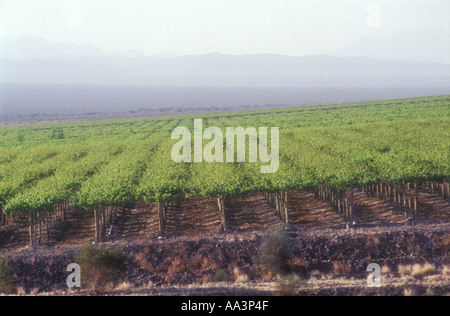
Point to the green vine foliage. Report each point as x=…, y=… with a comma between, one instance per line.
x=114, y=162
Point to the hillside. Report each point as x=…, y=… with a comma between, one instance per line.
x=350, y=176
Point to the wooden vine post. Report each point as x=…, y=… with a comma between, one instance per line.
x=223, y=214
x=286, y=208
x=280, y=202
x=97, y=224
x=162, y=211
x=31, y=228
x=3, y=217
x=416, y=200
x=351, y=206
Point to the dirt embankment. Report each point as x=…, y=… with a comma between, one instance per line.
x=182, y=261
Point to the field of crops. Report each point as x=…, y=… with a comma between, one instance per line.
x=390, y=150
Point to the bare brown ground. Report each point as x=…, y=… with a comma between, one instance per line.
x=196, y=216
x=199, y=217
x=433, y=207
x=305, y=211
x=138, y=222
x=251, y=213
x=376, y=211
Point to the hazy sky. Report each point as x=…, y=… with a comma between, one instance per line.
x=290, y=27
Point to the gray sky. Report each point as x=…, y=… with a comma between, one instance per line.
x=288, y=27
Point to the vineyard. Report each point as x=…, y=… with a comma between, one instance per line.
x=394, y=153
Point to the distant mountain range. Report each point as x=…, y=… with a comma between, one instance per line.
x=32, y=47
x=32, y=60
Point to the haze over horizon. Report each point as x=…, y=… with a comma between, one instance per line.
x=29, y=47
x=411, y=30
x=117, y=58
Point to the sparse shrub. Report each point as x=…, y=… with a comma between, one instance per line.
x=221, y=276
x=274, y=253
x=7, y=282
x=101, y=267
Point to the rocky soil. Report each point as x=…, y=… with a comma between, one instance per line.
x=182, y=263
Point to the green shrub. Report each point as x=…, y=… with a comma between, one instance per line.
x=274, y=253
x=101, y=267
x=221, y=276
x=7, y=280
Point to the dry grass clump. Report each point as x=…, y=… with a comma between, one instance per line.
x=428, y=269
x=240, y=276
x=177, y=266
x=446, y=241
x=409, y=292
x=446, y=271
x=143, y=263
x=201, y=265
x=21, y=291
x=416, y=271
x=124, y=287
x=299, y=265
x=387, y=272
x=34, y=291
x=404, y=270
x=288, y=285
x=373, y=241
x=341, y=268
